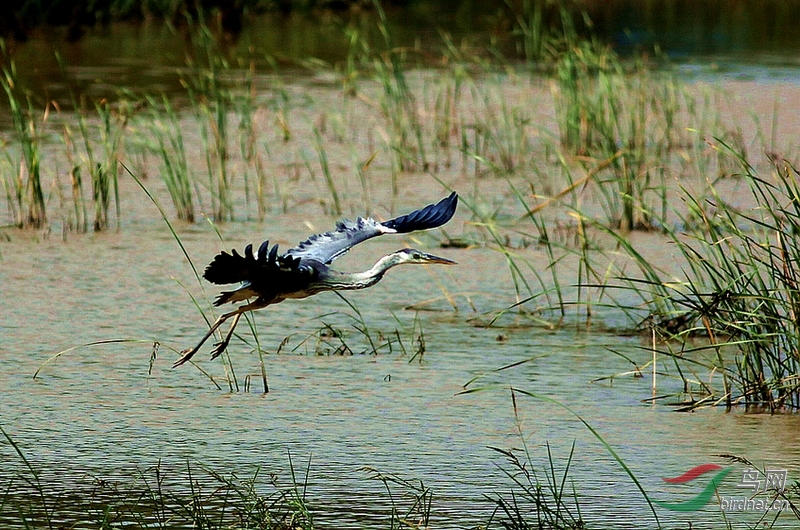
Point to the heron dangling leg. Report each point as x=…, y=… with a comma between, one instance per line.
x=220, y=346
x=188, y=354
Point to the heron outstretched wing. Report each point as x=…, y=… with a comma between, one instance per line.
x=328, y=246
x=234, y=268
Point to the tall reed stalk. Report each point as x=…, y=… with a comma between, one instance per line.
x=326, y=172
x=398, y=104
x=24, y=190
x=175, y=164
x=743, y=285
x=105, y=173
x=607, y=113
x=80, y=222
x=212, y=102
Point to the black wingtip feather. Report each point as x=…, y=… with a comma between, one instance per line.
x=234, y=268
x=227, y=268
x=262, y=251
x=431, y=216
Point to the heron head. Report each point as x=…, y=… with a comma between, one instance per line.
x=412, y=255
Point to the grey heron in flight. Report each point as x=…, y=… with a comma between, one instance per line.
x=304, y=270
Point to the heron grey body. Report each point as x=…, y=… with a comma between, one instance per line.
x=268, y=278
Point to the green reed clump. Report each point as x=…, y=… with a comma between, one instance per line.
x=105, y=172
x=102, y=140
x=78, y=218
x=417, y=515
x=740, y=289
x=175, y=168
x=538, y=499
x=23, y=186
x=498, y=136
x=739, y=284
x=743, y=286
x=631, y=119
x=399, y=105
x=537, y=502
x=544, y=499
x=532, y=30
x=213, y=101
x=246, y=107
x=223, y=98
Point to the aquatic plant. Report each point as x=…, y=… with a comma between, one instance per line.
x=78, y=218
x=737, y=287
x=631, y=119
x=418, y=514
x=212, y=101
x=398, y=104
x=326, y=172
x=245, y=108
x=23, y=186
x=105, y=173
x=545, y=503
x=159, y=496
x=543, y=496
x=741, y=287
x=174, y=161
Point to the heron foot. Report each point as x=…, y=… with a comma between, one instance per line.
x=185, y=356
x=219, y=347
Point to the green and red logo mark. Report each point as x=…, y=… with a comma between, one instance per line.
x=702, y=498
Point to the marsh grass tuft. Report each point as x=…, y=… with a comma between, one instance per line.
x=105, y=172
x=737, y=288
x=212, y=100
x=171, y=149
x=417, y=513
x=741, y=288
x=626, y=114
x=24, y=191
x=335, y=337
x=158, y=496
x=549, y=499
x=398, y=104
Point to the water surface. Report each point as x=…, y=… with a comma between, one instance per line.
x=95, y=412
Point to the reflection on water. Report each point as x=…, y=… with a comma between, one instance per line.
x=96, y=413
x=148, y=57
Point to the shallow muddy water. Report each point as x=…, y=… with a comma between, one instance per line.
x=96, y=413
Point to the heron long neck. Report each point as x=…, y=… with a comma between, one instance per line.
x=362, y=280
